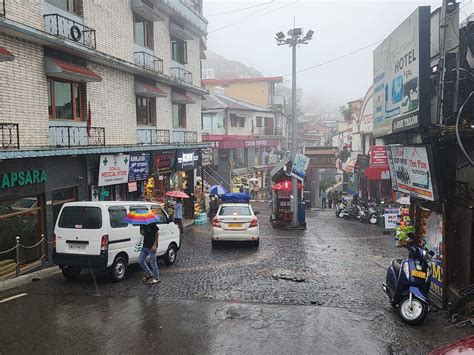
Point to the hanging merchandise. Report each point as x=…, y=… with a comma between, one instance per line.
x=404, y=225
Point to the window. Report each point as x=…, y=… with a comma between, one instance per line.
x=116, y=216
x=259, y=121
x=162, y=218
x=65, y=100
x=179, y=116
x=66, y=5
x=179, y=51
x=237, y=121
x=143, y=32
x=235, y=211
x=146, y=110
x=79, y=217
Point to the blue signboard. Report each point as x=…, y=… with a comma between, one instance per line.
x=299, y=166
x=139, y=168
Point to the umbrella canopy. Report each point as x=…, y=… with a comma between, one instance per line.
x=286, y=186
x=177, y=194
x=141, y=217
x=217, y=190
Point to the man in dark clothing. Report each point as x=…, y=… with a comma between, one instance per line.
x=150, y=244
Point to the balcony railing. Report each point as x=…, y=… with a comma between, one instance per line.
x=152, y=136
x=74, y=136
x=64, y=27
x=264, y=131
x=182, y=74
x=9, y=136
x=184, y=136
x=149, y=61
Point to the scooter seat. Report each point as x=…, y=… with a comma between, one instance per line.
x=397, y=264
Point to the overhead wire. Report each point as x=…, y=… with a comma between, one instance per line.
x=241, y=9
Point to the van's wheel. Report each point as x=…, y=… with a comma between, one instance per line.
x=170, y=255
x=256, y=243
x=215, y=243
x=413, y=313
x=118, y=270
x=71, y=272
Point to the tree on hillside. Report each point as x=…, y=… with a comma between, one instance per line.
x=346, y=111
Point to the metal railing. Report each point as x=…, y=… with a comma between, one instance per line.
x=182, y=74
x=149, y=61
x=64, y=27
x=184, y=136
x=9, y=136
x=76, y=136
x=152, y=136
x=16, y=267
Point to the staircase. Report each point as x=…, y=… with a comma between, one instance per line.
x=212, y=177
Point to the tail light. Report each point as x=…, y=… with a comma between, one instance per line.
x=215, y=223
x=54, y=240
x=104, y=243
x=254, y=222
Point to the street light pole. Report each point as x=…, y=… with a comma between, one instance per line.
x=295, y=37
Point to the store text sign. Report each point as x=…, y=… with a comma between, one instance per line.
x=139, y=168
x=23, y=178
x=378, y=156
x=113, y=169
x=229, y=144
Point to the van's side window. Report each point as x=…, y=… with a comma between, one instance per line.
x=116, y=215
x=156, y=209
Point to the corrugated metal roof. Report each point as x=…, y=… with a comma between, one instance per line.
x=215, y=102
x=57, y=152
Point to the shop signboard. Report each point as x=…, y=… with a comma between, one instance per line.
x=350, y=164
x=437, y=278
x=113, y=169
x=187, y=159
x=390, y=216
x=132, y=186
x=401, y=66
x=378, y=156
x=22, y=178
x=410, y=166
x=299, y=166
x=139, y=168
x=163, y=162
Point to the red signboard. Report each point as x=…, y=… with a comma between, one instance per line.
x=378, y=156
x=229, y=142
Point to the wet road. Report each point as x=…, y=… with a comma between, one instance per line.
x=232, y=300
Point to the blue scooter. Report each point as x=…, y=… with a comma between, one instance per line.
x=408, y=284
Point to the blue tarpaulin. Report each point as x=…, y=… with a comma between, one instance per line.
x=236, y=197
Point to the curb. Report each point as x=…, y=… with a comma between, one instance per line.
x=27, y=278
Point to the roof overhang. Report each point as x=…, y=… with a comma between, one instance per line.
x=178, y=98
x=5, y=56
x=148, y=90
x=60, y=69
x=180, y=32
x=150, y=13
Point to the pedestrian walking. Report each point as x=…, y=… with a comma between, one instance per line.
x=150, y=245
x=323, y=199
x=178, y=215
x=330, y=198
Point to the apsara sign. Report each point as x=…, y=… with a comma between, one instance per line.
x=23, y=178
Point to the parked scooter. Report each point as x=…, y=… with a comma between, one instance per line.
x=408, y=283
x=341, y=205
x=369, y=213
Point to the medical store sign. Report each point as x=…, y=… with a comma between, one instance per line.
x=113, y=169
x=410, y=167
x=187, y=159
x=401, y=76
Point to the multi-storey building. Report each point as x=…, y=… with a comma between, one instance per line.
x=88, y=88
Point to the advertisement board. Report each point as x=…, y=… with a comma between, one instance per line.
x=163, y=162
x=299, y=166
x=378, y=156
x=139, y=168
x=187, y=159
x=401, y=67
x=411, y=171
x=390, y=216
x=113, y=169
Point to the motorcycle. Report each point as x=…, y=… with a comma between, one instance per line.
x=369, y=213
x=349, y=211
x=408, y=283
x=342, y=204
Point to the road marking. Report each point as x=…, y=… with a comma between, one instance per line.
x=13, y=297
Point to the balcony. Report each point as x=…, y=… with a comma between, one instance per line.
x=182, y=75
x=76, y=136
x=9, y=136
x=184, y=137
x=186, y=15
x=149, y=61
x=146, y=9
x=152, y=136
x=66, y=28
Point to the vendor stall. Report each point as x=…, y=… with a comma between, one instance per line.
x=281, y=203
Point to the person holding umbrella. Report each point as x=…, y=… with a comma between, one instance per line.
x=178, y=215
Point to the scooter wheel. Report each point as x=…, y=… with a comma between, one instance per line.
x=412, y=314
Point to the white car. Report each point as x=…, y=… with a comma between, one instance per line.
x=235, y=222
x=93, y=234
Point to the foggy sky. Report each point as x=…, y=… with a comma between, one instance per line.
x=340, y=27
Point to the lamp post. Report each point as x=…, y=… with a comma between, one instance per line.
x=294, y=38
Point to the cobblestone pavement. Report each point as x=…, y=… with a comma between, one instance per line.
x=335, y=263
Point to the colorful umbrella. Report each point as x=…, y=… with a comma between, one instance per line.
x=141, y=217
x=217, y=190
x=177, y=194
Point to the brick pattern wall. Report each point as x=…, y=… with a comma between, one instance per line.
x=23, y=92
x=162, y=43
x=193, y=116
x=28, y=12
x=194, y=61
x=113, y=23
x=113, y=105
x=164, y=111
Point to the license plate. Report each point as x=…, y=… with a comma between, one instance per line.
x=420, y=274
x=235, y=225
x=77, y=246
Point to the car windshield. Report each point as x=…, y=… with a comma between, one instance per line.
x=235, y=211
x=81, y=217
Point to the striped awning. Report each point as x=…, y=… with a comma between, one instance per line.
x=148, y=90
x=6, y=56
x=178, y=98
x=60, y=69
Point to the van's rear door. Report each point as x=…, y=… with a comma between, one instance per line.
x=80, y=229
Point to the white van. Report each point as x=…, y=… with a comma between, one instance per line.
x=93, y=234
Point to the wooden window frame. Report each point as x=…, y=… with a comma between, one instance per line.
x=150, y=112
x=73, y=84
x=148, y=31
x=181, y=116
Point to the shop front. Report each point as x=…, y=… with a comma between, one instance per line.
x=138, y=173
x=111, y=182
x=32, y=192
x=377, y=175
x=162, y=171
x=186, y=163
